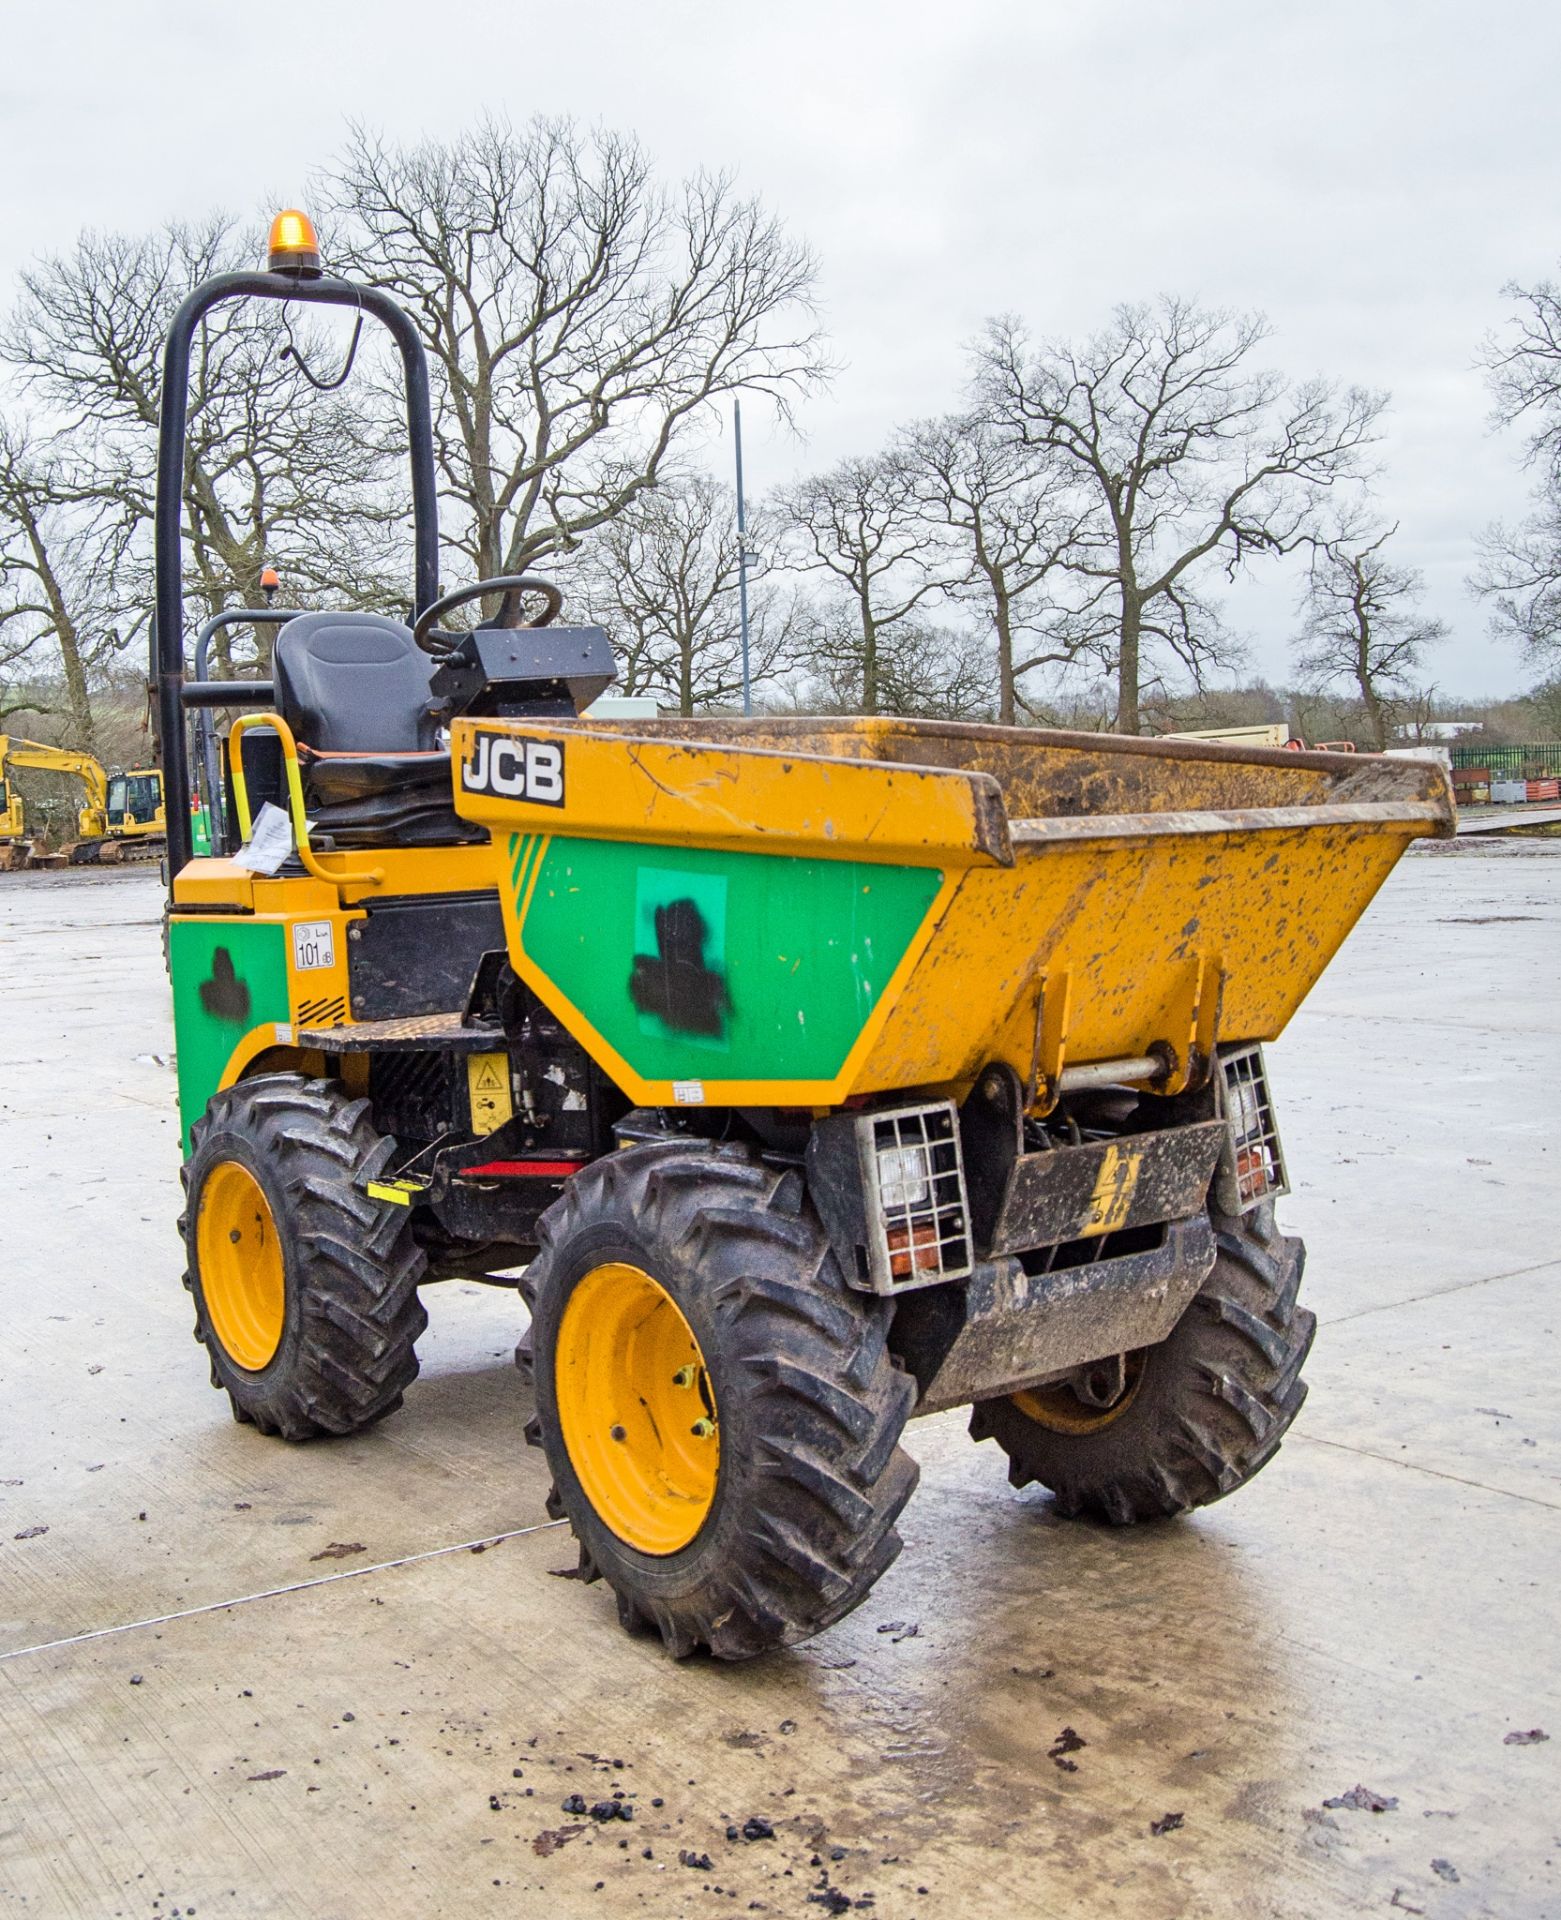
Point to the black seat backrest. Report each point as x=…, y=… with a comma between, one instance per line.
x=353, y=683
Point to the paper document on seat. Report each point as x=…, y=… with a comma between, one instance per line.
x=269, y=844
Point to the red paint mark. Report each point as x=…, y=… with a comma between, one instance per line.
x=522, y=1170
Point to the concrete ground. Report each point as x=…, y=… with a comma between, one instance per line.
x=1506, y=820
x=243, y=1679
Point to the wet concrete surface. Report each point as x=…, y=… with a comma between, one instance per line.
x=296, y=1730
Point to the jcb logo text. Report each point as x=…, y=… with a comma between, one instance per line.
x=515, y=769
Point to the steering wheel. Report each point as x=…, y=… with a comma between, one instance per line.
x=511, y=585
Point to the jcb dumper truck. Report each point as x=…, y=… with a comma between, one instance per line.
x=802, y=1076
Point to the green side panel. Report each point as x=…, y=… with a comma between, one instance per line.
x=229, y=975
x=697, y=964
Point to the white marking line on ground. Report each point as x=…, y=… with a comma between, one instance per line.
x=1437, y=1293
x=1434, y=1473
x=276, y=1593
x=1420, y=1022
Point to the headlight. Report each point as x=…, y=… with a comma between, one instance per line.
x=918, y=1222
x=902, y=1177
x=1252, y=1165
x=1246, y=1116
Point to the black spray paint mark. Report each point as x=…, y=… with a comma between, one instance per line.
x=224, y=995
x=676, y=985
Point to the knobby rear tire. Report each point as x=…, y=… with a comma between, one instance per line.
x=352, y=1316
x=1211, y=1406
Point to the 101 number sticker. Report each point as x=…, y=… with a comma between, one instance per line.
x=314, y=945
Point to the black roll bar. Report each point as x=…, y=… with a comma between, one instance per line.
x=228, y=693
x=204, y=694
x=168, y=617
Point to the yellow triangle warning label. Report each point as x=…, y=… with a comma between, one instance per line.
x=488, y=1091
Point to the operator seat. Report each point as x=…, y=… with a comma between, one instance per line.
x=354, y=689
x=354, y=683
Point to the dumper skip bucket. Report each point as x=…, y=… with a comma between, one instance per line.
x=802, y=913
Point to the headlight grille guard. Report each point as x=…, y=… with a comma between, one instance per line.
x=918, y=1214
x=1252, y=1165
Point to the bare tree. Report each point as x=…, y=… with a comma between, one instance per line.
x=1546, y=700
x=1520, y=574
x=862, y=524
x=924, y=669
x=1419, y=715
x=663, y=577
x=1520, y=566
x=579, y=315
x=1361, y=624
x=1523, y=369
x=1012, y=523
x=56, y=565
x=276, y=472
x=1189, y=456
x=1251, y=704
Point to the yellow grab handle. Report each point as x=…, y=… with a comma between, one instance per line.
x=366, y=877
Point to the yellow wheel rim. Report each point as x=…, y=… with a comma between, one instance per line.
x=636, y=1409
x=239, y=1259
x=1060, y=1410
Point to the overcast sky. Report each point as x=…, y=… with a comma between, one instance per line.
x=1369, y=173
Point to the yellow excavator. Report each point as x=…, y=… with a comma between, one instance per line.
x=121, y=816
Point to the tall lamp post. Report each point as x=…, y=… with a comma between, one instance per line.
x=742, y=554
